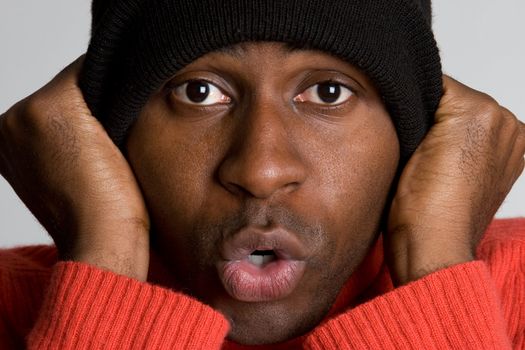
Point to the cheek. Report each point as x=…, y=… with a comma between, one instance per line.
x=371, y=161
x=356, y=171
x=350, y=169
x=174, y=168
x=174, y=185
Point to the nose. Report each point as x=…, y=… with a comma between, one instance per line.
x=263, y=159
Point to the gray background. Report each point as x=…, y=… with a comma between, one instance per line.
x=481, y=42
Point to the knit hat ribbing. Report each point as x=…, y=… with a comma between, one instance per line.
x=137, y=45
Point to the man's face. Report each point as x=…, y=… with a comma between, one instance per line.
x=265, y=171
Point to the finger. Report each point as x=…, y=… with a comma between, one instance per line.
x=517, y=158
x=74, y=68
x=450, y=83
x=454, y=87
x=62, y=93
x=521, y=138
x=520, y=171
x=521, y=135
x=522, y=127
x=509, y=131
x=460, y=100
x=517, y=172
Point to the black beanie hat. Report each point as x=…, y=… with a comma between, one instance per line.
x=137, y=45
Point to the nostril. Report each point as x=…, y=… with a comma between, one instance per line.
x=261, y=168
x=236, y=189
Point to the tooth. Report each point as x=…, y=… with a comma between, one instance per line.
x=268, y=258
x=256, y=259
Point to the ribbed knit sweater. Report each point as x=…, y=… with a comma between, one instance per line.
x=50, y=304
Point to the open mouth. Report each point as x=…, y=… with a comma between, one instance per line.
x=261, y=265
x=262, y=257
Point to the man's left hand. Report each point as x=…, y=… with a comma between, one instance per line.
x=454, y=183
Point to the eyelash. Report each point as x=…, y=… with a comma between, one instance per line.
x=342, y=89
x=214, y=90
x=182, y=89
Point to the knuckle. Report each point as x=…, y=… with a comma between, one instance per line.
x=522, y=128
x=30, y=117
x=512, y=119
x=490, y=110
x=40, y=118
x=489, y=115
x=507, y=113
x=512, y=124
x=519, y=132
x=486, y=98
x=8, y=125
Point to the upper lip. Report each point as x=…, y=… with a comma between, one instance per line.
x=284, y=243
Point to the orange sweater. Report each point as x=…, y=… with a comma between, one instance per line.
x=45, y=304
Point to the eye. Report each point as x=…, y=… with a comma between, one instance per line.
x=201, y=93
x=325, y=93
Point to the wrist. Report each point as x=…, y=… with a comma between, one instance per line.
x=423, y=267
x=119, y=248
x=119, y=263
x=414, y=254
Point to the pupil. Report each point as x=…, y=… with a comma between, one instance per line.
x=197, y=91
x=329, y=92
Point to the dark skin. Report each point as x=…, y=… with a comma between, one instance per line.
x=263, y=159
x=269, y=153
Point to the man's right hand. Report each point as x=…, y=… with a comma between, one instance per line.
x=65, y=168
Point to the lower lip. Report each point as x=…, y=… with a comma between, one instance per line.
x=247, y=282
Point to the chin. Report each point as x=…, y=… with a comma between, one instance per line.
x=277, y=321
x=270, y=323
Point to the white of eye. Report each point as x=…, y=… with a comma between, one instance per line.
x=201, y=93
x=328, y=93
